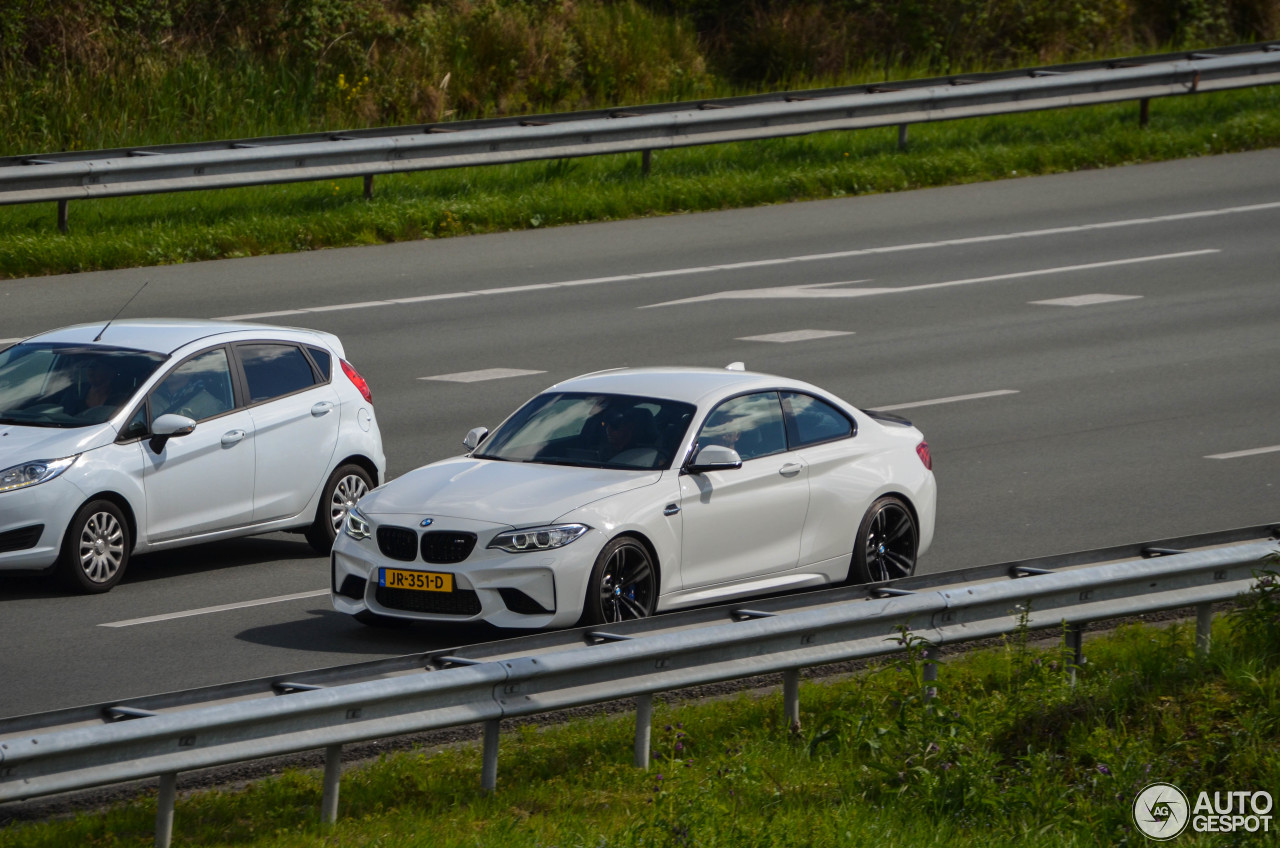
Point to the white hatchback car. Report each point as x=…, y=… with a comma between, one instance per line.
x=149, y=434
x=618, y=494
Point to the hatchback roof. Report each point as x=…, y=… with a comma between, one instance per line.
x=162, y=335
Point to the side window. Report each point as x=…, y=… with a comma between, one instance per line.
x=750, y=424
x=198, y=388
x=274, y=370
x=136, y=428
x=811, y=421
x=323, y=361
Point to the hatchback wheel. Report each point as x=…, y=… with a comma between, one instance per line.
x=95, y=549
x=885, y=548
x=346, y=485
x=624, y=584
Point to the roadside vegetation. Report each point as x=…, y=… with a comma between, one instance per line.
x=98, y=74
x=1009, y=752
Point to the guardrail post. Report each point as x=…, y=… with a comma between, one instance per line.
x=164, y=809
x=902, y=136
x=930, y=672
x=791, y=698
x=368, y=186
x=646, y=161
x=1204, y=627
x=489, y=773
x=332, y=780
x=644, y=726
x=1144, y=111
x=1075, y=643
x=62, y=215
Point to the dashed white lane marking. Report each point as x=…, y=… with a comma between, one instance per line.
x=826, y=290
x=952, y=399
x=796, y=336
x=1240, y=453
x=1086, y=300
x=169, y=616
x=479, y=376
x=785, y=260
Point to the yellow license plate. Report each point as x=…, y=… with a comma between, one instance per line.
x=422, y=581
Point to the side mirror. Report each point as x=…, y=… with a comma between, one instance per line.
x=715, y=458
x=167, y=427
x=474, y=437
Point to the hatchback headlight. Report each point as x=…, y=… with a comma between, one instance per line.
x=357, y=526
x=36, y=471
x=538, y=538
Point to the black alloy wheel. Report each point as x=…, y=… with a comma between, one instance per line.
x=885, y=548
x=624, y=584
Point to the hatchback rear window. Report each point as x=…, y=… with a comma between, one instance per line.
x=274, y=370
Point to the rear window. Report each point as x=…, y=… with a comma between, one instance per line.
x=323, y=361
x=275, y=370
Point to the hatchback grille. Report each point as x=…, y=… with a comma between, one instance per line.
x=20, y=539
x=398, y=543
x=446, y=546
x=457, y=602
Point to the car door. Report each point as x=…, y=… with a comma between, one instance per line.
x=744, y=522
x=295, y=412
x=203, y=481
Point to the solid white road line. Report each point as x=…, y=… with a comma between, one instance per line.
x=953, y=399
x=1240, y=453
x=796, y=336
x=1086, y=300
x=152, y=619
x=826, y=290
x=478, y=376
x=785, y=260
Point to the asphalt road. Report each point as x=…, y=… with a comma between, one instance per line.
x=1135, y=409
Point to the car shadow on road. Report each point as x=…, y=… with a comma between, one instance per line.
x=253, y=550
x=330, y=632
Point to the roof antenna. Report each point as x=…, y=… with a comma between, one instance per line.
x=122, y=309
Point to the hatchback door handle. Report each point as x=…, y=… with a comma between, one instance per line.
x=324, y=407
x=230, y=437
x=791, y=469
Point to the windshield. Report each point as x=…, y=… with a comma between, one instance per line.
x=592, y=431
x=66, y=385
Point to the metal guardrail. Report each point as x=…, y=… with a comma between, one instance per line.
x=75, y=176
x=617, y=665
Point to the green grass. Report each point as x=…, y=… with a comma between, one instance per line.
x=1010, y=752
x=167, y=229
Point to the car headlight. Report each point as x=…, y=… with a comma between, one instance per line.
x=538, y=538
x=36, y=471
x=356, y=526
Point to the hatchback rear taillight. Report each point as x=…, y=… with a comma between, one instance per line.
x=922, y=450
x=359, y=382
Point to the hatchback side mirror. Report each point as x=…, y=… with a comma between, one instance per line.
x=715, y=458
x=474, y=437
x=167, y=427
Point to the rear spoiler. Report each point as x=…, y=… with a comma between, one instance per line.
x=888, y=417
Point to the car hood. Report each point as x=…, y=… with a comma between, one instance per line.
x=517, y=494
x=23, y=444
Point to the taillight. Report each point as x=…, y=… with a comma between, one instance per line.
x=922, y=450
x=359, y=382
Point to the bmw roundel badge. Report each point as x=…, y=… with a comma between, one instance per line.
x=426, y=522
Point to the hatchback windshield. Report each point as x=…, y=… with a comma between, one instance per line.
x=593, y=431
x=65, y=385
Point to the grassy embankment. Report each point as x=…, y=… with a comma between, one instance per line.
x=136, y=72
x=1010, y=752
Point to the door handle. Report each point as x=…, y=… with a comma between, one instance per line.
x=231, y=437
x=324, y=407
x=791, y=469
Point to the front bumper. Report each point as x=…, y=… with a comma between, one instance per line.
x=537, y=589
x=49, y=506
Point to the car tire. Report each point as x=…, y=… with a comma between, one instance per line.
x=885, y=548
x=346, y=485
x=372, y=619
x=95, y=549
x=623, y=584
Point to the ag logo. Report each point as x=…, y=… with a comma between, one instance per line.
x=1161, y=811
